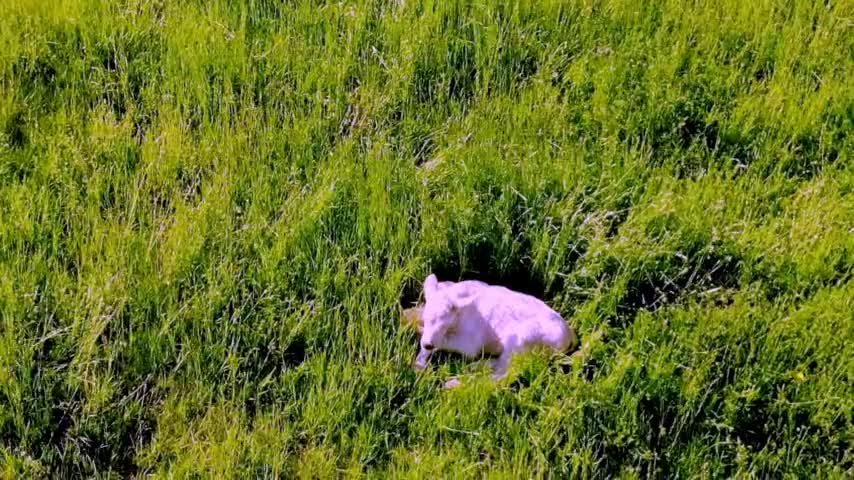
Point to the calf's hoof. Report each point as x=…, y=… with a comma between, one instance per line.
x=452, y=383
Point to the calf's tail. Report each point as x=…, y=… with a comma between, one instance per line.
x=568, y=339
x=571, y=339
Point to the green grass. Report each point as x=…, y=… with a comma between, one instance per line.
x=211, y=213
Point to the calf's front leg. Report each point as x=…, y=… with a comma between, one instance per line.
x=501, y=365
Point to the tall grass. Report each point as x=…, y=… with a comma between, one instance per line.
x=211, y=213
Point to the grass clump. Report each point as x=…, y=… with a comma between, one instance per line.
x=211, y=213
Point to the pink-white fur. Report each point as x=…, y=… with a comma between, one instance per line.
x=474, y=319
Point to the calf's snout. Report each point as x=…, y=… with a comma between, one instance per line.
x=422, y=358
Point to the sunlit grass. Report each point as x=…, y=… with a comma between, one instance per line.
x=212, y=212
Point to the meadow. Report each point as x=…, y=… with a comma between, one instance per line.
x=212, y=213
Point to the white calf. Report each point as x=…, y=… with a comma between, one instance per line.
x=473, y=318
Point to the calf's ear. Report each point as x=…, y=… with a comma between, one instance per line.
x=411, y=318
x=431, y=284
x=462, y=297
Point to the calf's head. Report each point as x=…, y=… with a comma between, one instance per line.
x=439, y=317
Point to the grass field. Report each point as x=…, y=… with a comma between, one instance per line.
x=211, y=214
